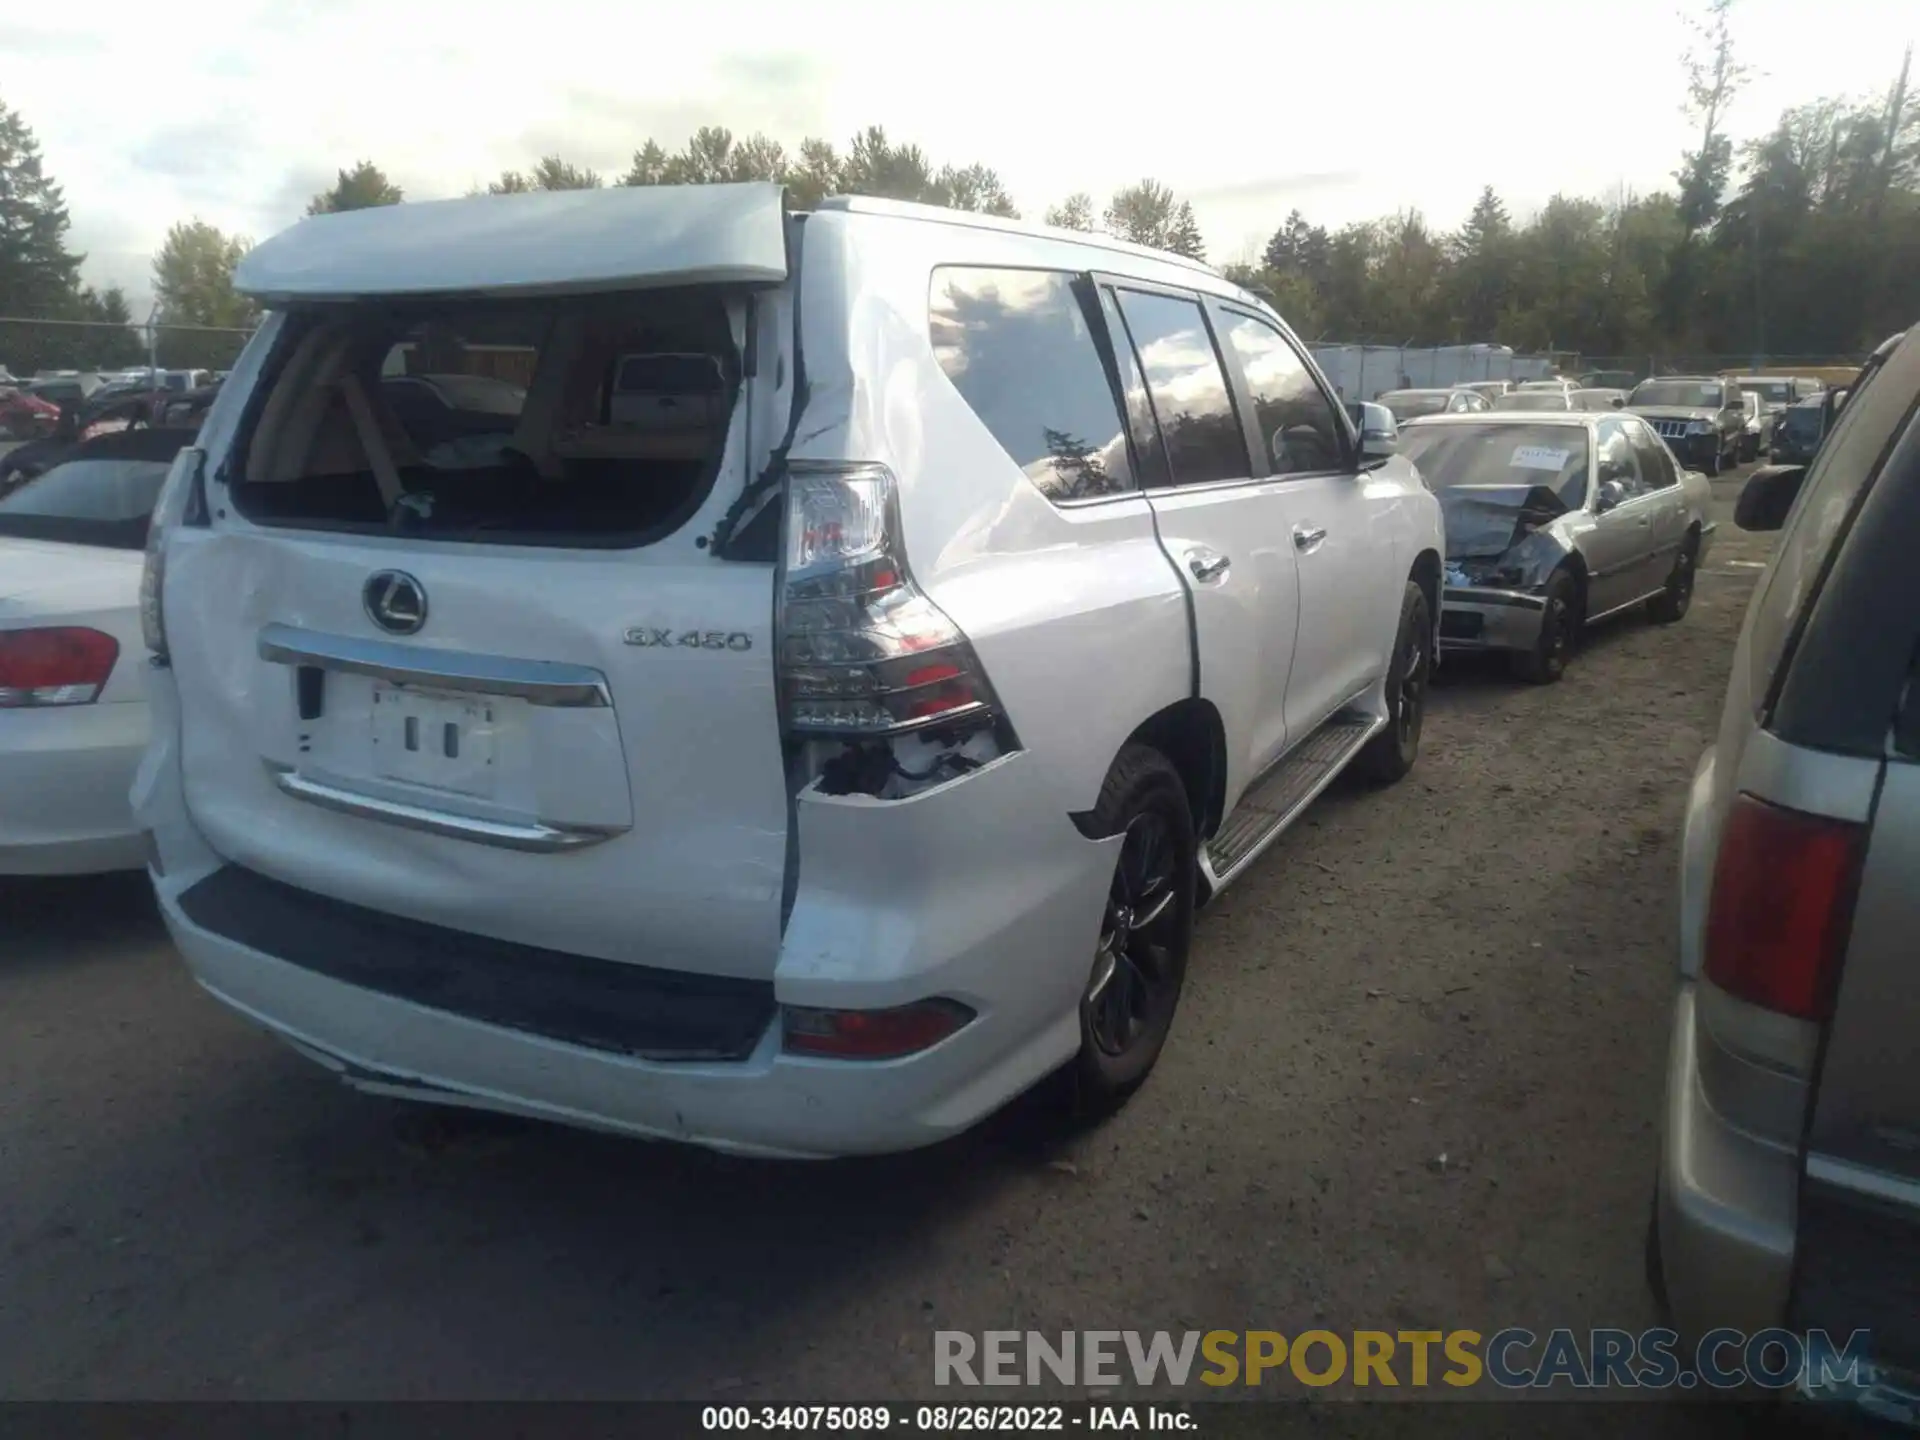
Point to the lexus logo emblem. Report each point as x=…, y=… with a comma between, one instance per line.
x=395, y=601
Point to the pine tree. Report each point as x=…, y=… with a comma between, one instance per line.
x=361, y=188
x=38, y=274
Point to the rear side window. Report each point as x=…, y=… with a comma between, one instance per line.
x=1656, y=464
x=1189, y=389
x=1821, y=514
x=1018, y=345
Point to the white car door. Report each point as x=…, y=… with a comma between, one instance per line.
x=1218, y=523
x=1340, y=534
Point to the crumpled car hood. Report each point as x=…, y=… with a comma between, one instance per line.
x=1484, y=521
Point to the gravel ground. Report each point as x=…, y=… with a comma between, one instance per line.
x=1413, y=1084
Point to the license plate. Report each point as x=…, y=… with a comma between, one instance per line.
x=435, y=738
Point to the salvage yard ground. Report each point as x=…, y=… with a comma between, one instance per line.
x=1412, y=1085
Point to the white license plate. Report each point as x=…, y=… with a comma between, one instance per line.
x=433, y=737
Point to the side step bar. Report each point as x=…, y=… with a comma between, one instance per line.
x=1276, y=799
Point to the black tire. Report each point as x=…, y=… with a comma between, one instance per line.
x=1546, y=662
x=1390, y=755
x=1672, y=603
x=1713, y=461
x=1140, y=956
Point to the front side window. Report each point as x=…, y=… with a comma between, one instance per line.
x=1616, y=462
x=1019, y=347
x=1302, y=432
x=1189, y=389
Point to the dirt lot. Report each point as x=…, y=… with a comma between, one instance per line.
x=1413, y=1084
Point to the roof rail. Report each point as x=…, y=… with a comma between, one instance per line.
x=974, y=219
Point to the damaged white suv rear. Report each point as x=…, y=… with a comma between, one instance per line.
x=647, y=659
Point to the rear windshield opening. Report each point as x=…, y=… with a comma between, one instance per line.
x=592, y=420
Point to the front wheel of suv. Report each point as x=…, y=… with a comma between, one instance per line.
x=1140, y=957
x=1390, y=754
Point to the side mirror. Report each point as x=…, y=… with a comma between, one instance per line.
x=1619, y=402
x=1767, y=497
x=1612, y=492
x=1379, y=432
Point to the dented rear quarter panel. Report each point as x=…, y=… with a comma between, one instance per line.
x=1075, y=612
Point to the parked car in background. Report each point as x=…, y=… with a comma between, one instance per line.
x=1701, y=416
x=73, y=707
x=1609, y=380
x=1554, y=522
x=73, y=389
x=1487, y=389
x=1776, y=392
x=1552, y=383
x=632, y=784
x=25, y=416
x=1758, y=430
x=1797, y=431
x=1549, y=401
x=1600, y=400
x=1411, y=404
x=1789, y=1184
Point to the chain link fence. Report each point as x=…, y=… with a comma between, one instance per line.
x=34, y=346
x=1365, y=371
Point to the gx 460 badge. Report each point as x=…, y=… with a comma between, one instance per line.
x=649, y=636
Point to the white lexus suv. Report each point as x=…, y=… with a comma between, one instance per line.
x=806, y=760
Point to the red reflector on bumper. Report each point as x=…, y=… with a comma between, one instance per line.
x=871, y=1034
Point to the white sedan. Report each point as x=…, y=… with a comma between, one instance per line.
x=73, y=702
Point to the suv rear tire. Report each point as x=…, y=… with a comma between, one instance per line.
x=1140, y=957
x=1391, y=753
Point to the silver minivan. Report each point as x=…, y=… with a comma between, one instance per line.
x=1789, y=1190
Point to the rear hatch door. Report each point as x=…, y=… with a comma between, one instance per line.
x=570, y=748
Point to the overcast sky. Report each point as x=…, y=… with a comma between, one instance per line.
x=237, y=111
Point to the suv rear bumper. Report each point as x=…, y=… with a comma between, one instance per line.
x=968, y=891
x=1726, y=1204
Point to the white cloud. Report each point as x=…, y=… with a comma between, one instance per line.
x=1249, y=110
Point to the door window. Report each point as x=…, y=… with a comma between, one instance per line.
x=1191, y=401
x=1289, y=408
x=1019, y=347
x=1656, y=461
x=1150, y=460
x=1617, y=462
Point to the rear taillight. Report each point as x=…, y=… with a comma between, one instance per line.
x=862, y=651
x=870, y=1034
x=1777, y=916
x=180, y=502
x=65, y=665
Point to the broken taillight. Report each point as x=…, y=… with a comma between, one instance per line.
x=862, y=651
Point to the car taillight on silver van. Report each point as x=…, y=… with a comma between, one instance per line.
x=862, y=651
x=1777, y=916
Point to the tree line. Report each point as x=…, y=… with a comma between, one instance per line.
x=1804, y=241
